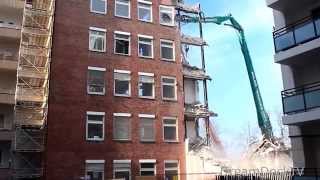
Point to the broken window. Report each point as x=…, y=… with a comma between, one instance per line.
x=1, y=122
x=145, y=11
x=122, y=8
x=171, y=169
x=96, y=82
x=121, y=126
x=122, y=85
x=167, y=50
x=95, y=169
x=146, y=85
x=147, y=167
x=145, y=46
x=147, y=128
x=97, y=39
x=122, y=169
x=170, y=129
x=167, y=15
x=95, y=124
x=169, y=91
x=122, y=43
x=98, y=6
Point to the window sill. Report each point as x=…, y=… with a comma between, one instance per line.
x=168, y=25
x=98, y=13
x=121, y=54
x=97, y=51
x=95, y=140
x=148, y=142
x=123, y=17
x=168, y=60
x=169, y=100
x=148, y=98
x=172, y=142
x=122, y=140
x=121, y=95
x=96, y=94
x=146, y=57
x=144, y=21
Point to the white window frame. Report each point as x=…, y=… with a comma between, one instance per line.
x=104, y=88
x=105, y=38
x=142, y=42
x=170, y=125
x=172, y=13
x=171, y=161
x=114, y=83
x=153, y=87
x=116, y=38
x=175, y=87
x=95, y=122
x=98, y=12
x=151, y=13
x=95, y=162
x=121, y=161
x=148, y=169
x=128, y=115
x=129, y=9
x=173, y=50
x=152, y=117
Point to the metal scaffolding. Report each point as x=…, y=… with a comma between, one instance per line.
x=31, y=97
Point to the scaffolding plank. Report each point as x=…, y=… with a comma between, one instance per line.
x=196, y=41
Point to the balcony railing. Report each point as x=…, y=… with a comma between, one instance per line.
x=300, y=32
x=301, y=99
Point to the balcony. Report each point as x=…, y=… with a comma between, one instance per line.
x=285, y=5
x=297, y=38
x=10, y=30
x=7, y=96
x=198, y=111
x=8, y=60
x=301, y=103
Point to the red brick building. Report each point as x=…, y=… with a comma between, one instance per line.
x=116, y=103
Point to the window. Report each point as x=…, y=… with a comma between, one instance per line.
x=95, y=169
x=145, y=11
x=171, y=170
x=167, y=50
x=147, y=129
x=147, y=167
x=96, y=82
x=122, y=8
x=122, y=85
x=1, y=122
x=122, y=169
x=122, y=43
x=97, y=39
x=121, y=126
x=170, y=129
x=167, y=15
x=98, y=6
x=169, y=91
x=145, y=46
x=95, y=126
x=146, y=85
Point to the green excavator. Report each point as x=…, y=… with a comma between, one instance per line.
x=263, y=118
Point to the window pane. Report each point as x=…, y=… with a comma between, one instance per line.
x=95, y=118
x=168, y=91
x=122, y=87
x=147, y=165
x=144, y=11
x=145, y=50
x=122, y=46
x=122, y=174
x=168, y=80
x=98, y=5
x=166, y=53
x=146, y=89
x=166, y=15
x=121, y=129
x=171, y=174
x=92, y=175
x=96, y=81
x=170, y=133
x=122, y=8
x=95, y=131
x=1, y=123
x=97, y=42
x=317, y=23
x=147, y=129
x=305, y=32
x=147, y=173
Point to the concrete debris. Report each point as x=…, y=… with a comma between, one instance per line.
x=198, y=110
x=196, y=41
x=188, y=8
x=194, y=72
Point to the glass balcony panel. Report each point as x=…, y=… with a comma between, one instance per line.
x=304, y=32
x=284, y=41
x=312, y=99
x=293, y=103
x=317, y=23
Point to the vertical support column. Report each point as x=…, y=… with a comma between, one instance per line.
x=203, y=63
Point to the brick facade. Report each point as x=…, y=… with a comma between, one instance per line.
x=67, y=148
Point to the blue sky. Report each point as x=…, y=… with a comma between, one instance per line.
x=229, y=93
